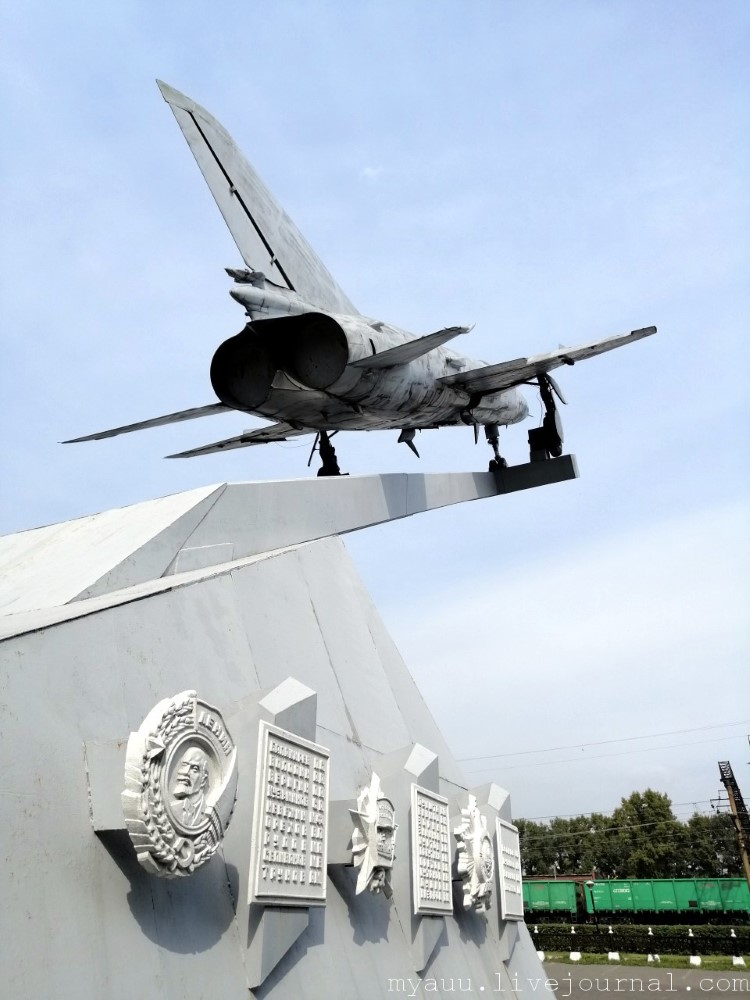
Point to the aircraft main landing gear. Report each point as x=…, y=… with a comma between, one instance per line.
x=329, y=463
x=492, y=433
x=547, y=441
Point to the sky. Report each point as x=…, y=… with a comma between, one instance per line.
x=552, y=173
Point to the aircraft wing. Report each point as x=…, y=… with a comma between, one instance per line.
x=265, y=235
x=260, y=435
x=494, y=378
x=169, y=418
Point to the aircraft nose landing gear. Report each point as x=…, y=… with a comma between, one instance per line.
x=492, y=433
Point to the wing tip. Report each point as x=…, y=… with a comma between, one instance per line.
x=217, y=447
x=168, y=418
x=86, y=437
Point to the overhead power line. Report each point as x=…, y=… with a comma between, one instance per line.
x=601, y=743
x=598, y=756
x=604, y=829
x=606, y=812
x=673, y=834
x=663, y=835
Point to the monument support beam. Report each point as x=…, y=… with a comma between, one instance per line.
x=57, y=565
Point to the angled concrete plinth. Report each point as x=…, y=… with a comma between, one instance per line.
x=51, y=566
x=229, y=590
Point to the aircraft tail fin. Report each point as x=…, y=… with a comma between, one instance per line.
x=265, y=235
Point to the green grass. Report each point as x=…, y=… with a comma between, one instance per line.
x=714, y=963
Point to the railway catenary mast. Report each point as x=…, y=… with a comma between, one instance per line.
x=739, y=813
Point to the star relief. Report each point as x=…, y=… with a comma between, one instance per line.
x=155, y=747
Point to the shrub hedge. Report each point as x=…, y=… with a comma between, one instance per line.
x=666, y=940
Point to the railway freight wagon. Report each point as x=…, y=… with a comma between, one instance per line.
x=557, y=897
x=661, y=900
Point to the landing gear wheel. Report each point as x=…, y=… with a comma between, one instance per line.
x=546, y=442
x=330, y=465
x=492, y=433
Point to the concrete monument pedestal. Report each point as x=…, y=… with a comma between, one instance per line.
x=228, y=592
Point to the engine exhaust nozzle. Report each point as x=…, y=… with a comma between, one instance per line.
x=242, y=371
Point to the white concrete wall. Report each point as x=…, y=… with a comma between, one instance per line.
x=79, y=917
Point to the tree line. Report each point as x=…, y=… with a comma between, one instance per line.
x=641, y=839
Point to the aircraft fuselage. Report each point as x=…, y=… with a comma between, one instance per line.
x=326, y=371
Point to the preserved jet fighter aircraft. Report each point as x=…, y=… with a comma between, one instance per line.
x=307, y=360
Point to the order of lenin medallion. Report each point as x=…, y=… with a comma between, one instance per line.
x=180, y=785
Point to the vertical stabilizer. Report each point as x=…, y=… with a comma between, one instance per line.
x=266, y=237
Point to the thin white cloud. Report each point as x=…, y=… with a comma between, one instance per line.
x=646, y=632
x=371, y=173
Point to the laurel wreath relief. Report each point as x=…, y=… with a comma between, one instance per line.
x=161, y=848
x=168, y=848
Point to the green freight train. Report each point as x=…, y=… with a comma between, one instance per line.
x=670, y=900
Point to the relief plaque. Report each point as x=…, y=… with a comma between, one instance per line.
x=430, y=852
x=180, y=785
x=509, y=856
x=289, y=847
x=374, y=839
x=476, y=858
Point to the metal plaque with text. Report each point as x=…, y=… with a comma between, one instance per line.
x=289, y=846
x=430, y=852
x=509, y=871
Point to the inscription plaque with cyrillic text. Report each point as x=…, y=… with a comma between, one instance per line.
x=430, y=852
x=509, y=871
x=289, y=847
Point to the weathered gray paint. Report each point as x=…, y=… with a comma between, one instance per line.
x=353, y=372
x=80, y=918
